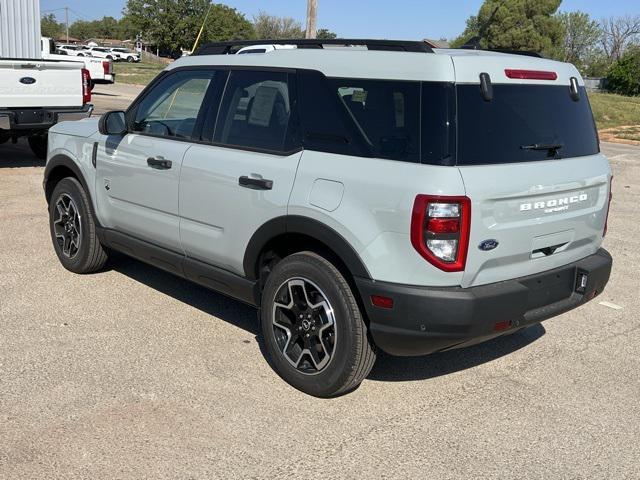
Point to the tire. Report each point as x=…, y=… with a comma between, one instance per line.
x=80, y=55
x=109, y=57
x=87, y=255
x=334, y=328
x=38, y=144
x=130, y=59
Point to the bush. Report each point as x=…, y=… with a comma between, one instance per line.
x=624, y=75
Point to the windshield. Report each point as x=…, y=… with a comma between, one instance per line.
x=523, y=123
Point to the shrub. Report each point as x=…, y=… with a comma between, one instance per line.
x=624, y=75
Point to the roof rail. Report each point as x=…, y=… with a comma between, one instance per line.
x=474, y=44
x=223, y=48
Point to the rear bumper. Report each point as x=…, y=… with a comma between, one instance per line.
x=21, y=119
x=426, y=320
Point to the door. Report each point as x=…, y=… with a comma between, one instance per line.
x=244, y=176
x=138, y=174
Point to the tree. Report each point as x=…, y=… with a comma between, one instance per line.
x=50, y=27
x=624, y=75
x=618, y=34
x=273, y=27
x=326, y=34
x=174, y=24
x=581, y=38
x=516, y=25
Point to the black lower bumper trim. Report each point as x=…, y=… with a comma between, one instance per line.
x=426, y=320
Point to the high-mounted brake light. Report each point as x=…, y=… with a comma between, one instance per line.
x=606, y=220
x=86, y=86
x=530, y=74
x=440, y=229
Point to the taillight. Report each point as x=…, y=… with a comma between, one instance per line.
x=106, y=67
x=530, y=74
x=86, y=86
x=606, y=220
x=440, y=229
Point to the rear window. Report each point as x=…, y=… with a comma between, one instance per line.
x=520, y=122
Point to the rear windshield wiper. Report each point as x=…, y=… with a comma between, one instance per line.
x=543, y=146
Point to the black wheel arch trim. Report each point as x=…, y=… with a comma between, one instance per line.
x=63, y=161
x=305, y=226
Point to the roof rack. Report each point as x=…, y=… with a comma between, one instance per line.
x=224, y=48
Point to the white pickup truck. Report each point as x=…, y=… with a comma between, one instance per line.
x=36, y=94
x=100, y=69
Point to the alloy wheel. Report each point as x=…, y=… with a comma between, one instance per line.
x=67, y=226
x=304, y=325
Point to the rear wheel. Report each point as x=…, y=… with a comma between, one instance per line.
x=38, y=144
x=73, y=228
x=314, y=333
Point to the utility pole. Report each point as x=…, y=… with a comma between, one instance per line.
x=66, y=21
x=312, y=14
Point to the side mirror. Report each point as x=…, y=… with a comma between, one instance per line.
x=113, y=123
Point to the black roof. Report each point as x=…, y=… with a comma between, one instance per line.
x=223, y=48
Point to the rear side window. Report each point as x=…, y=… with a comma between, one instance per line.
x=255, y=111
x=386, y=114
x=520, y=122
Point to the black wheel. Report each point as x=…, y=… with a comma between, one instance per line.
x=314, y=333
x=38, y=144
x=130, y=59
x=73, y=228
x=80, y=55
x=109, y=57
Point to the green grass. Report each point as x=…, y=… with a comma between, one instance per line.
x=612, y=110
x=136, y=73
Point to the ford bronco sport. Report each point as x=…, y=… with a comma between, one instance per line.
x=382, y=195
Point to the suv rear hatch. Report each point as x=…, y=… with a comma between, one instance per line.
x=529, y=158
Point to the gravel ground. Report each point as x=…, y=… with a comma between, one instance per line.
x=133, y=373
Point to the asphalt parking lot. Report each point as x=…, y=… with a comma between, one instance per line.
x=133, y=373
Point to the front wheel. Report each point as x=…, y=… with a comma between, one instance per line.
x=314, y=333
x=130, y=59
x=73, y=228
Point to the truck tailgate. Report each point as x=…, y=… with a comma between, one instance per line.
x=36, y=83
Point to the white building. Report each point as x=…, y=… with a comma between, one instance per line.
x=20, y=29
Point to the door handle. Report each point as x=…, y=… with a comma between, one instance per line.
x=159, y=163
x=255, y=183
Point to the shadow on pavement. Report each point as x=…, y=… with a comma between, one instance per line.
x=402, y=369
x=386, y=369
x=208, y=301
x=18, y=155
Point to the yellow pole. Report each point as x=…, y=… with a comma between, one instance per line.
x=201, y=29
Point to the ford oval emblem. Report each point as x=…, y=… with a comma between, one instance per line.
x=488, y=245
x=28, y=80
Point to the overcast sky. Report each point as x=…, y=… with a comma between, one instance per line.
x=400, y=19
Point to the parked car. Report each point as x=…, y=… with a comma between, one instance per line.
x=126, y=55
x=100, y=69
x=99, y=52
x=394, y=197
x=72, y=50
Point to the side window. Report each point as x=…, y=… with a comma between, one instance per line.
x=386, y=113
x=255, y=111
x=172, y=107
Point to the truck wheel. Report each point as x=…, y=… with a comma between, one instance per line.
x=38, y=144
x=314, y=333
x=73, y=228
